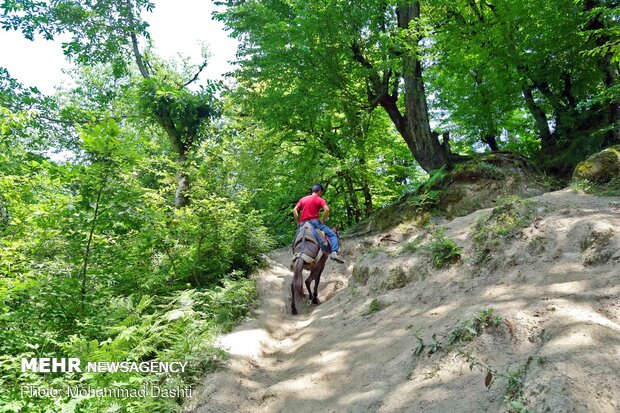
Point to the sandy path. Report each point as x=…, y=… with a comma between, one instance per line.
x=335, y=357
x=275, y=357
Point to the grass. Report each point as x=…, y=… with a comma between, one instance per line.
x=473, y=327
x=463, y=332
x=480, y=168
x=510, y=215
x=397, y=279
x=374, y=251
x=411, y=247
x=611, y=188
x=373, y=307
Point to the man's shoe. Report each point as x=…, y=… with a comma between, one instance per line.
x=334, y=256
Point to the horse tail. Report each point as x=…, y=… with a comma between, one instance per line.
x=298, y=278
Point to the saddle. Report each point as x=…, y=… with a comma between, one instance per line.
x=310, y=244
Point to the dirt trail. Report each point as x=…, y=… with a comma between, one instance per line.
x=556, y=285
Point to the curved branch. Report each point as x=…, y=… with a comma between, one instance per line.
x=134, y=43
x=193, y=79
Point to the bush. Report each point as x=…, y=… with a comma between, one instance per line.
x=510, y=214
x=180, y=327
x=444, y=250
x=611, y=188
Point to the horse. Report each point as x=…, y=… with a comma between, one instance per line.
x=311, y=250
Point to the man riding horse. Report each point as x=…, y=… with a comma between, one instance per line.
x=310, y=207
x=309, y=245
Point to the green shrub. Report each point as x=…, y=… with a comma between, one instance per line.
x=373, y=307
x=510, y=214
x=473, y=327
x=611, y=188
x=444, y=250
x=180, y=327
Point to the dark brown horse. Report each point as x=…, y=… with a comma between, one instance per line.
x=309, y=249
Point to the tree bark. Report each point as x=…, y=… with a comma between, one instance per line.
x=354, y=202
x=540, y=118
x=179, y=146
x=491, y=141
x=610, y=69
x=413, y=125
x=181, y=197
x=367, y=199
x=89, y=242
x=423, y=145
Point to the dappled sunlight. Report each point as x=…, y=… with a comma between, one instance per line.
x=555, y=321
x=568, y=287
x=356, y=397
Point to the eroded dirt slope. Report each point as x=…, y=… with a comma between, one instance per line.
x=555, y=285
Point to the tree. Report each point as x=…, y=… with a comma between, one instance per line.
x=109, y=31
x=372, y=47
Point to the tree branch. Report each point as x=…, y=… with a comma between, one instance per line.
x=193, y=79
x=134, y=43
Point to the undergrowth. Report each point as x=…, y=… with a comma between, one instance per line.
x=462, y=332
x=467, y=331
x=510, y=215
x=178, y=328
x=373, y=307
x=444, y=250
x=611, y=188
x=480, y=168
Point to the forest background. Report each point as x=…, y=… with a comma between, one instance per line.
x=137, y=242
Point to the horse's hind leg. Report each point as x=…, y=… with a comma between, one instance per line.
x=318, y=270
x=315, y=297
x=308, y=282
x=293, y=309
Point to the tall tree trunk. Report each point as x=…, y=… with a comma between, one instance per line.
x=424, y=146
x=610, y=69
x=612, y=75
x=89, y=242
x=359, y=132
x=164, y=117
x=413, y=125
x=181, y=197
x=546, y=138
x=367, y=199
x=491, y=141
x=355, y=205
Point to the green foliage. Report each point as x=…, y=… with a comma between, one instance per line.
x=444, y=250
x=420, y=347
x=611, y=188
x=179, y=327
x=412, y=246
x=95, y=261
x=473, y=327
x=189, y=111
x=463, y=332
x=99, y=30
x=435, y=179
x=373, y=307
x=515, y=379
x=510, y=214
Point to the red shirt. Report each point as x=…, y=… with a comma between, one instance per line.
x=310, y=206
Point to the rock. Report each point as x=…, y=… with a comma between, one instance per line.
x=596, y=246
x=601, y=167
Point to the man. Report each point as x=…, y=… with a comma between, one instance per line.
x=310, y=207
